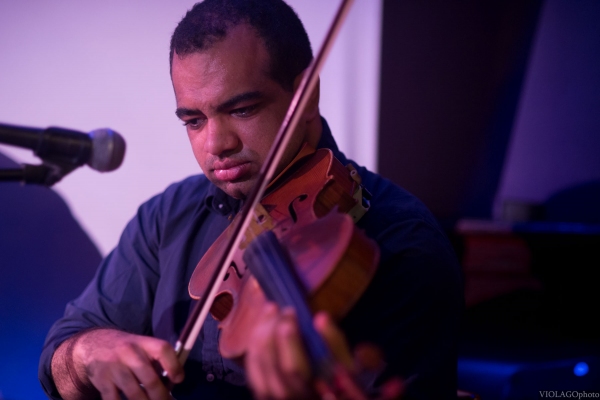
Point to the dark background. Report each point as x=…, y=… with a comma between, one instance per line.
x=489, y=114
x=452, y=75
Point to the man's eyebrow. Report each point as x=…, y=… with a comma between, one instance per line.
x=228, y=104
x=185, y=112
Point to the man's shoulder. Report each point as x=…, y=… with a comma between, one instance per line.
x=399, y=221
x=388, y=198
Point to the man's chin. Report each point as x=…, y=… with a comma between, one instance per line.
x=237, y=190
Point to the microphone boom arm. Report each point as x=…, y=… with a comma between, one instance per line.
x=46, y=174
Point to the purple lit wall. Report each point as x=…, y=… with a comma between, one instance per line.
x=555, y=144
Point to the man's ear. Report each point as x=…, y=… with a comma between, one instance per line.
x=312, y=107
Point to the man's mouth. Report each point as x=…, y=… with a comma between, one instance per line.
x=230, y=170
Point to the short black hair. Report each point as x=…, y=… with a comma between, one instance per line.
x=275, y=22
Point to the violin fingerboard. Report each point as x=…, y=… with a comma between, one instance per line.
x=272, y=268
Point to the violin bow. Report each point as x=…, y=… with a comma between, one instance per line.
x=194, y=323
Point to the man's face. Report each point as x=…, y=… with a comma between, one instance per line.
x=232, y=109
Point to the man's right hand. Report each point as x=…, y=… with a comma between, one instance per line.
x=109, y=362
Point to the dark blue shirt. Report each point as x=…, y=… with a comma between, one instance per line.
x=411, y=309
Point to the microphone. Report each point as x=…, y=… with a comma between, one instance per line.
x=101, y=149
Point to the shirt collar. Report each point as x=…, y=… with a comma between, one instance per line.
x=220, y=202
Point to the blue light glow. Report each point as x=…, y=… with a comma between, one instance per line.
x=581, y=369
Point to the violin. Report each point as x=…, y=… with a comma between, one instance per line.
x=294, y=242
x=304, y=220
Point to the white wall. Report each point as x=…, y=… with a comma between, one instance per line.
x=82, y=65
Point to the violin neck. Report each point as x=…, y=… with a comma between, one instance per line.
x=272, y=268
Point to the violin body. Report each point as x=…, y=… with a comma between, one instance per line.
x=306, y=207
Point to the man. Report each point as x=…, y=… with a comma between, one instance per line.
x=234, y=67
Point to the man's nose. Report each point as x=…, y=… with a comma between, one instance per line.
x=220, y=138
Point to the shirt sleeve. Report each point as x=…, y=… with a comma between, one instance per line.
x=119, y=296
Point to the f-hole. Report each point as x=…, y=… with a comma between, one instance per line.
x=222, y=306
x=235, y=269
x=291, y=209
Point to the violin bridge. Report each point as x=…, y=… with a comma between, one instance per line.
x=261, y=222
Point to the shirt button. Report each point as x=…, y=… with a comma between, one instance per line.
x=210, y=377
